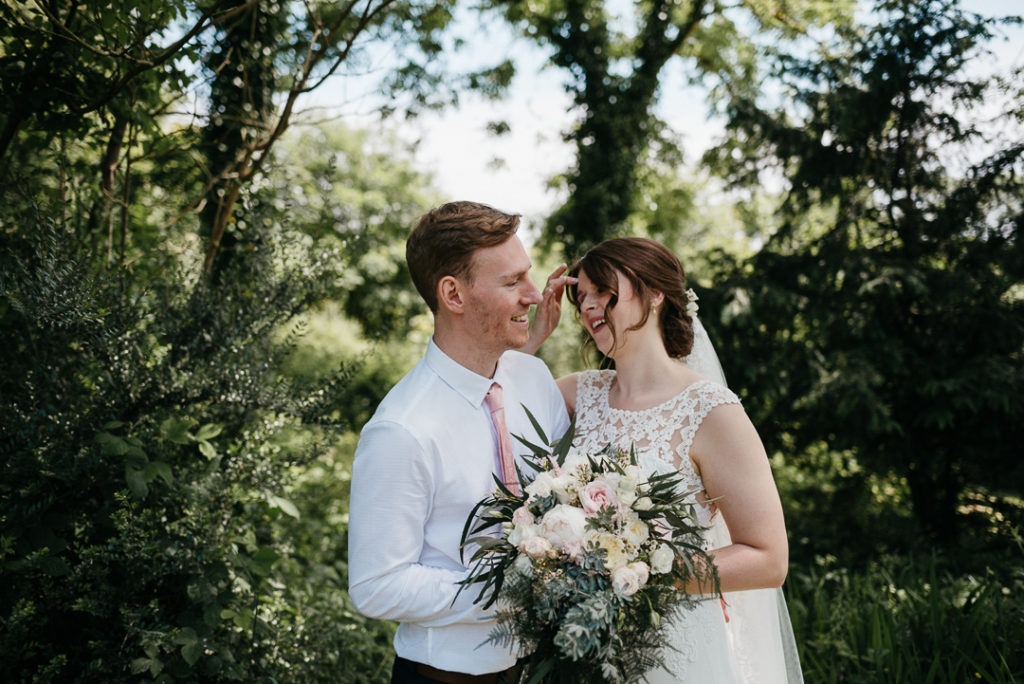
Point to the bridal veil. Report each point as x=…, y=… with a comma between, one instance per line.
x=759, y=628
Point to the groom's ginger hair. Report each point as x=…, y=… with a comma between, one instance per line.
x=444, y=240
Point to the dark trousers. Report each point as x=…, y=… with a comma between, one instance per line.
x=405, y=672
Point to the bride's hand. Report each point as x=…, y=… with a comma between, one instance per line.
x=549, y=311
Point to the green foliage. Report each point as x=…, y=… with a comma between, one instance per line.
x=907, y=621
x=356, y=192
x=883, y=318
x=146, y=513
x=614, y=59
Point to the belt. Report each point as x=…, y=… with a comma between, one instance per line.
x=506, y=676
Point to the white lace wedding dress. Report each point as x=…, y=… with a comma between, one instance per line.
x=756, y=644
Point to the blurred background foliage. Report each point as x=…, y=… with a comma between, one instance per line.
x=203, y=297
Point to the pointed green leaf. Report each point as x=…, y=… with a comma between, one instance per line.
x=208, y=431
x=136, y=482
x=285, y=505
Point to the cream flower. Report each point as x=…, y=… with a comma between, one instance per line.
x=541, y=486
x=614, y=548
x=662, y=559
x=644, y=503
x=635, y=532
x=521, y=532
x=691, y=303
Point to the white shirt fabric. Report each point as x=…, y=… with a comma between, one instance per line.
x=423, y=462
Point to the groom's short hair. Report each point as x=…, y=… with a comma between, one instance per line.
x=444, y=239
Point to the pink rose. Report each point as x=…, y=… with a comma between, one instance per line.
x=597, y=495
x=536, y=547
x=522, y=516
x=642, y=570
x=625, y=580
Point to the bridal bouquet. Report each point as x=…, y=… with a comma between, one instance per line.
x=584, y=566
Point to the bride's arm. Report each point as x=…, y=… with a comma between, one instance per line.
x=734, y=466
x=567, y=386
x=549, y=310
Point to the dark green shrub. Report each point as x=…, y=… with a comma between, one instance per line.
x=148, y=449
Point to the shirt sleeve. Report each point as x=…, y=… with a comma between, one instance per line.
x=558, y=416
x=390, y=501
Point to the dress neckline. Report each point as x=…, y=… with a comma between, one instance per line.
x=657, y=407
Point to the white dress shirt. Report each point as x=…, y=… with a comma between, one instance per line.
x=424, y=460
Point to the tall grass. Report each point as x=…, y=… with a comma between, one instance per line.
x=908, y=620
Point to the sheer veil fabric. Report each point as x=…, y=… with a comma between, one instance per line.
x=759, y=630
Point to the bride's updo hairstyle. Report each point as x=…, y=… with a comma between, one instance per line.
x=649, y=267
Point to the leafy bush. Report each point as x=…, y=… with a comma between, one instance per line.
x=148, y=450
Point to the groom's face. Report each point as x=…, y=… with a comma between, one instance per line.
x=499, y=295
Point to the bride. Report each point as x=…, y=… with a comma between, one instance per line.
x=630, y=295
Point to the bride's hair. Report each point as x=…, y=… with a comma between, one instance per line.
x=649, y=267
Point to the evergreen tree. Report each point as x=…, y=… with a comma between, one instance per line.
x=885, y=316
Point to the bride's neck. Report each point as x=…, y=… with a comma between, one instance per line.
x=646, y=375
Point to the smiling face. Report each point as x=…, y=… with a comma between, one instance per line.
x=598, y=307
x=498, y=295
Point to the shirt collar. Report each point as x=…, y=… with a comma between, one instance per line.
x=470, y=385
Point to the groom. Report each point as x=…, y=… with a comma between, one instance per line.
x=432, y=448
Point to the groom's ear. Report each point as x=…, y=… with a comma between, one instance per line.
x=449, y=294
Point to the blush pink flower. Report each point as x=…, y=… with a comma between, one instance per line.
x=522, y=516
x=625, y=581
x=537, y=547
x=597, y=495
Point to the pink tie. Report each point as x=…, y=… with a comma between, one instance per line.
x=496, y=403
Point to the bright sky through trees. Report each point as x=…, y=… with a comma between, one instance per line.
x=511, y=171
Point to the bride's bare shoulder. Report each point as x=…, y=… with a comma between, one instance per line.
x=567, y=386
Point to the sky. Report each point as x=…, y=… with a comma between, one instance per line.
x=511, y=172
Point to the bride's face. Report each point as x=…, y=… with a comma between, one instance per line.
x=597, y=310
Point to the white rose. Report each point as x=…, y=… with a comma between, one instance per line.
x=627, y=497
x=541, y=486
x=662, y=559
x=521, y=533
x=575, y=461
x=644, y=503
x=635, y=532
x=564, y=486
x=636, y=474
x=564, y=526
x=625, y=581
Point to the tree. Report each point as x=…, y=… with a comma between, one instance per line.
x=99, y=100
x=885, y=316
x=149, y=438
x=614, y=66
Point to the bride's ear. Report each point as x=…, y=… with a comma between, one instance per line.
x=657, y=297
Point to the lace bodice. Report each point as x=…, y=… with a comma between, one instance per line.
x=662, y=435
